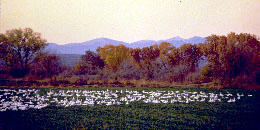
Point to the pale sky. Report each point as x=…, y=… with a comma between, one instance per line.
x=70, y=21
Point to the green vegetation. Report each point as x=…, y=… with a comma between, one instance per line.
x=243, y=114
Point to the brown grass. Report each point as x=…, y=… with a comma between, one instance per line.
x=83, y=82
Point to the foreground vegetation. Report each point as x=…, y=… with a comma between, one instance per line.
x=241, y=114
x=23, y=99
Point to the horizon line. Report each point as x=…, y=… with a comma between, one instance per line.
x=127, y=42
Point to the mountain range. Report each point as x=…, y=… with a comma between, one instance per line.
x=80, y=48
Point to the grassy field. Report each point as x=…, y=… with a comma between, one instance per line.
x=69, y=59
x=241, y=114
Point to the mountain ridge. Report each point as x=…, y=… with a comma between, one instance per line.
x=80, y=48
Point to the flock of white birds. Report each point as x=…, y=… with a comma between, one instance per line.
x=23, y=99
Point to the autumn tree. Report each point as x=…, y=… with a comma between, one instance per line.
x=19, y=47
x=46, y=65
x=232, y=57
x=90, y=63
x=113, y=56
x=145, y=58
x=166, y=49
x=174, y=57
x=190, y=55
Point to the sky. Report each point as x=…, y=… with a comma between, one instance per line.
x=74, y=21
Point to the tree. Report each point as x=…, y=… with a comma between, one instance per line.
x=233, y=57
x=19, y=47
x=190, y=55
x=145, y=58
x=89, y=63
x=166, y=48
x=46, y=65
x=113, y=56
x=174, y=57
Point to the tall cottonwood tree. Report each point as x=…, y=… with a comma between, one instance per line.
x=233, y=56
x=19, y=47
x=113, y=56
x=145, y=58
x=166, y=49
x=190, y=55
x=174, y=57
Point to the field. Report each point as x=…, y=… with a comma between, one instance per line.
x=129, y=108
x=69, y=59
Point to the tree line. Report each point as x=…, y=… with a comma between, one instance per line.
x=21, y=53
x=230, y=61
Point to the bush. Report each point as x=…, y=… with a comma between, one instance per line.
x=17, y=72
x=46, y=65
x=193, y=77
x=207, y=71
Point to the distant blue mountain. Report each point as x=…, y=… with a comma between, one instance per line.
x=196, y=39
x=80, y=48
x=176, y=39
x=142, y=43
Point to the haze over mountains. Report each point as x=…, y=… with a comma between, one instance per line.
x=80, y=48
